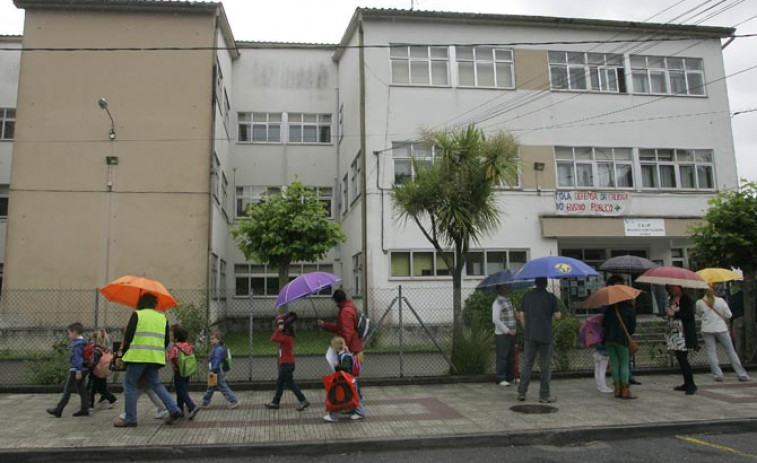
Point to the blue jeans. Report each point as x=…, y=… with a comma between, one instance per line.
x=286, y=378
x=134, y=371
x=544, y=349
x=222, y=386
x=182, y=392
x=505, y=347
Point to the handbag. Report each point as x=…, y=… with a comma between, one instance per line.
x=341, y=392
x=633, y=346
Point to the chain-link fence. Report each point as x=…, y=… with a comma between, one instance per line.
x=412, y=333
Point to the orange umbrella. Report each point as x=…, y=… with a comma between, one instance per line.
x=611, y=295
x=128, y=289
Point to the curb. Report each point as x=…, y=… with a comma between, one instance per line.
x=516, y=438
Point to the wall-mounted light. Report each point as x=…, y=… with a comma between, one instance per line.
x=104, y=105
x=111, y=160
x=539, y=166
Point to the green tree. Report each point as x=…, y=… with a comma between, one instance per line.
x=724, y=240
x=291, y=226
x=452, y=200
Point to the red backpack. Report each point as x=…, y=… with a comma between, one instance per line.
x=89, y=355
x=102, y=369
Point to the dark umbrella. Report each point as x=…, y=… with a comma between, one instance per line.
x=503, y=277
x=627, y=264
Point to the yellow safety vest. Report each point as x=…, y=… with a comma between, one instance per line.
x=149, y=343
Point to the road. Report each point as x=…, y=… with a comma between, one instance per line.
x=723, y=448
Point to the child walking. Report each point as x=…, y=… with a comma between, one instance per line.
x=98, y=384
x=217, y=355
x=346, y=362
x=284, y=335
x=179, y=337
x=601, y=360
x=76, y=374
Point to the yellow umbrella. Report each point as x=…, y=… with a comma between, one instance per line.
x=718, y=275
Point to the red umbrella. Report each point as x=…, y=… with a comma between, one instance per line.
x=676, y=276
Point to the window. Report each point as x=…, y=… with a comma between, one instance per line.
x=213, y=276
x=592, y=257
x=587, y=167
x=309, y=128
x=222, y=275
x=677, y=168
x=403, y=154
x=345, y=196
x=340, y=122
x=357, y=271
x=4, y=192
x=215, y=182
x=324, y=195
x=219, y=86
x=668, y=75
x=486, y=262
x=419, y=65
x=419, y=264
x=355, y=177
x=246, y=195
x=226, y=111
x=7, y=123
x=597, y=72
x=224, y=191
x=263, y=279
x=259, y=127
x=485, y=67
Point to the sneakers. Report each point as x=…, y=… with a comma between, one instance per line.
x=272, y=406
x=547, y=400
x=329, y=418
x=718, y=379
x=233, y=405
x=193, y=413
x=302, y=405
x=605, y=390
x=123, y=424
x=521, y=397
x=161, y=415
x=356, y=416
x=54, y=411
x=504, y=383
x=170, y=419
x=110, y=404
x=744, y=379
x=81, y=413
x=205, y=405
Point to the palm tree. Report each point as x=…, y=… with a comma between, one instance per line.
x=452, y=200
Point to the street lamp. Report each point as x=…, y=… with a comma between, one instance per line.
x=104, y=105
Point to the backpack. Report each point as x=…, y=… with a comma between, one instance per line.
x=187, y=363
x=89, y=355
x=226, y=362
x=102, y=369
x=363, y=326
x=355, y=363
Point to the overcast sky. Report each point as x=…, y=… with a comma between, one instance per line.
x=324, y=21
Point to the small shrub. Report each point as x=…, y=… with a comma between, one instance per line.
x=54, y=369
x=194, y=319
x=564, y=334
x=479, y=305
x=473, y=354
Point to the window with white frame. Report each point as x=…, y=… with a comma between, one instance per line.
x=588, y=167
x=259, y=127
x=325, y=196
x=340, y=122
x=219, y=86
x=403, y=155
x=598, y=72
x=222, y=279
x=215, y=177
x=357, y=271
x=224, y=191
x=309, y=128
x=668, y=75
x=420, y=65
x=226, y=112
x=246, y=195
x=488, y=261
x=345, y=194
x=213, y=276
x=485, y=66
x=419, y=264
x=355, y=177
x=7, y=123
x=263, y=279
x=4, y=193
x=677, y=169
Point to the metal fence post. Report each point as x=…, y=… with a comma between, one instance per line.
x=250, y=344
x=402, y=366
x=97, y=307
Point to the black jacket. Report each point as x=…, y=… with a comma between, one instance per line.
x=613, y=330
x=687, y=314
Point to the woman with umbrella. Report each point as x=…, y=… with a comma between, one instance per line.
x=682, y=335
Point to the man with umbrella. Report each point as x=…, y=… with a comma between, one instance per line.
x=346, y=323
x=505, y=327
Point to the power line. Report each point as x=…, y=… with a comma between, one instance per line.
x=744, y=112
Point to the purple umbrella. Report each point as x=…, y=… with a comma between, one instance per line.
x=305, y=285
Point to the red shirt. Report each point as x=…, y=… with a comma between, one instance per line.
x=345, y=326
x=286, y=347
x=172, y=355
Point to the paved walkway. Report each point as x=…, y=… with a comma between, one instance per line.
x=396, y=415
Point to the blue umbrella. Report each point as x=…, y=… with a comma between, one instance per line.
x=555, y=267
x=503, y=277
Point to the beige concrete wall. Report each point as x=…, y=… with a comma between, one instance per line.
x=66, y=229
x=531, y=69
x=531, y=178
x=563, y=227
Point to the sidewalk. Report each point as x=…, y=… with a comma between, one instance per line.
x=398, y=417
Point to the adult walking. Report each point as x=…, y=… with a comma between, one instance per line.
x=715, y=314
x=505, y=329
x=144, y=352
x=537, y=310
x=682, y=334
x=618, y=324
x=346, y=323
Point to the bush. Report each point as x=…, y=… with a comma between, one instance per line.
x=54, y=369
x=194, y=319
x=479, y=306
x=564, y=334
x=473, y=354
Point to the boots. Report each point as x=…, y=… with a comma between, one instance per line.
x=618, y=390
x=626, y=392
